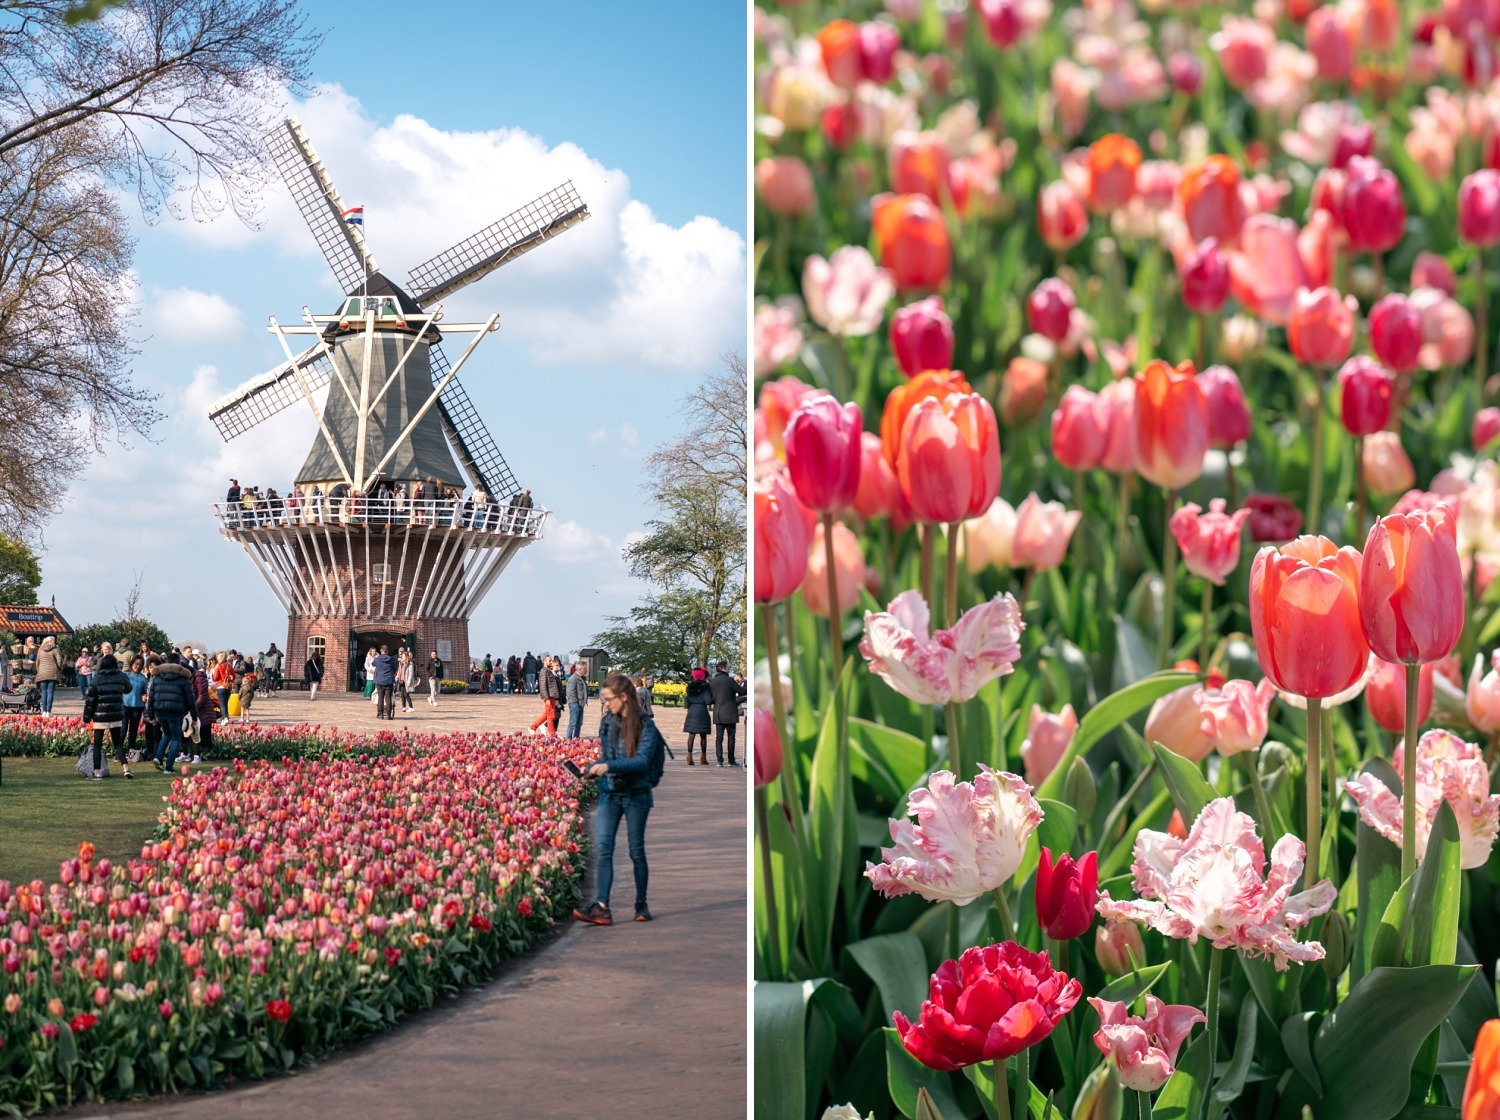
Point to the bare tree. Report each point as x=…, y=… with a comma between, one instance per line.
x=131, y=611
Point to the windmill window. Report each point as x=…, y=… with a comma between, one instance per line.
x=316, y=646
x=380, y=573
x=353, y=310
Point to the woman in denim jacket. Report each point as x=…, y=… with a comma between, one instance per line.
x=629, y=744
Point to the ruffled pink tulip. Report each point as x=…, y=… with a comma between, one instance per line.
x=1043, y=530
x=785, y=185
x=1385, y=694
x=1210, y=886
x=1144, y=1049
x=849, y=570
x=1396, y=333
x=847, y=293
x=987, y=539
x=1482, y=700
x=1228, y=414
x=781, y=541
x=1210, y=542
x=778, y=334
x=1049, y=309
x=967, y=840
x=1448, y=769
x=1236, y=715
x=947, y=666
x=1267, y=271
x=1078, y=430
x=1047, y=737
x=922, y=336
x=822, y=441
x=1204, y=275
x=1365, y=396
x=1479, y=208
x=1320, y=326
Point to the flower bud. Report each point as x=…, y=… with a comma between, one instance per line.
x=1396, y=333
x=922, y=336
x=1119, y=948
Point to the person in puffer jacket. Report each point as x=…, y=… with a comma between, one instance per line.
x=203, y=707
x=104, y=710
x=170, y=698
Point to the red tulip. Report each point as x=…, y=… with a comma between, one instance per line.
x=1385, y=694
x=1078, y=430
x=1365, y=396
x=1479, y=208
x=1273, y=518
x=1305, y=616
x=913, y=240
x=1002, y=21
x=948, y=463
x=1374, y=212
x=1060, y=215
x=780, y=541
x=1211, y=204
x=1228, y=414
x=1066, y=893
x=1049, y=309
x=989, y=1004
x=1113, y=163
x=1171, y=424
x=1320, y=327
x=936, y=383
x=922, y=336
x=1396, y=333
x=1486, y=427
x=1205, y=278
x=822, y=453
x=767, y=748
x=785, y=185
x=1411, y=592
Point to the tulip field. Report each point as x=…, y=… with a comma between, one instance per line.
x=1071, y=800
x=283, y=908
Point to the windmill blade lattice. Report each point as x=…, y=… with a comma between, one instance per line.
x=471, y=440
x=343, y=245
x=269, y=393
x=518, y=232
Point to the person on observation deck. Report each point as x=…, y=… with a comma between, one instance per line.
x=232, y=504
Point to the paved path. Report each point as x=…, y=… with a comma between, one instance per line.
x=636, y=1020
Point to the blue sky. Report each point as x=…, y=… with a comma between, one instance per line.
x=439, y=124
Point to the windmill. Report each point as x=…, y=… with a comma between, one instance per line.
x=351, y=555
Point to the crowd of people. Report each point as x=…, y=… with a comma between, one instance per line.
x=385, y=503
x=516, y=674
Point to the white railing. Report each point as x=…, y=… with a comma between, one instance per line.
x=319, y=509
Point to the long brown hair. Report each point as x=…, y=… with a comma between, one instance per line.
x=630, y=711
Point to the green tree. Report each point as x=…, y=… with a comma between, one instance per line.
x=663, y=635
x=20, y=574
x=130, y=632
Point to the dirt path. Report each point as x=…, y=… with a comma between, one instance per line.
x=637, y=1020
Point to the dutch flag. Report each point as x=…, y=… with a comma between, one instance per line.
x=355, y=216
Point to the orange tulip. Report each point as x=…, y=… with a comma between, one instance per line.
x=1210, y=196
x=913, y=240
x=1482, y=1089
x=919, y=164
x=1113, y=162
x=1304, y=616
x=948, y=464
x=839, y=44
x=904, y=397
x=1171, y=424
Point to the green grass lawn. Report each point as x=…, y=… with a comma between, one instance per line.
x=47, y=810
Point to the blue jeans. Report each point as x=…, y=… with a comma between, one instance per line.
x=575, y=720
x=634, y=806
x=83, y=684
x=171, y=738
x=49, y=689
x=530, y=682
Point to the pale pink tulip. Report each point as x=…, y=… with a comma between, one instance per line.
x=1244, y=49
x=778, y=334
x=968, y=838
x=987, y=539
x=1448, y=769
x=1210, y=885
x=1043, y=530
x=1447, y=329
x=1236, y=716
x=1210, y=542
x=849, y=570
x=847, y=294
x=1047, y=737
x=1386, y=467
x=949, y=665
x=1482, y=700
x=1144, y=1049
x=1116, y=405
x=1267, y=270
x=1176, y=722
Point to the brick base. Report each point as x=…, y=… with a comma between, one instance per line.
x=346, y=639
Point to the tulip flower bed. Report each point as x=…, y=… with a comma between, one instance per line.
x=1068, y=805
x=282, y=911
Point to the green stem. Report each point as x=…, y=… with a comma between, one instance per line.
x=1007, y=926
x=1215, y=969
x=1262, y=806
x=778, y=702
x=1333, y=795
x=950, y=576
x=1208, y=611
x=1002, y=1091
x=1023, y=1084
x=773, y=927
x=1142, y=1105
x=1481, y=322
x=1315, y=464
x=928, y=551
x=1169, y=584
x=1409, y=777
x=1122, y=525
x=955, y=753
x=1361, y=500
x=1314, y=788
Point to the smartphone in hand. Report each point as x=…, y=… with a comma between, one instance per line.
x=573, y=768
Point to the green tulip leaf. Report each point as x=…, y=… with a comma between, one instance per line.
x=1190, y=790
x=905, y=1076
x=1377, y=864
x=825, y=838
x=787, y=878
x=1181, y=1098
x=780, y=1046
x=890, y=762
x=1058, y=828
x=897, y=964
x=1128, y=989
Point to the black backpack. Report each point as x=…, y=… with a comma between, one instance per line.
x=659, y=763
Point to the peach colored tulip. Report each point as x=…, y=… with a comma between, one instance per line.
x=1267, y=270
x=948, y=462
x=1043, y=530
x=1176, y=722
x=879, y=495
x=1047, y=737
x=988, y=538
x=1411, y=592
x=1482, y=700
x=1023, y=391
x=1210, y=197
x=1320, y=326
x=1385, y=467
x=1236, y=715
x=1305, y=618
x=1171, y=424
x=849, y=570
x=785, y=185
x=778, y=334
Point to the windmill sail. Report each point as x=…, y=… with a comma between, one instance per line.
x=263, y=397
x=471, y=440
x=343, y=244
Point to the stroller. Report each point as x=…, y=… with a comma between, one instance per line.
x=26, y=700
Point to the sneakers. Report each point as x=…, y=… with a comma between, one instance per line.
x=595, y=915
x=197, y=758
x=96, y=777
x=128, y=774
x=156, y=762
x=642, y=914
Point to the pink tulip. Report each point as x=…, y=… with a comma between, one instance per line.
x=1267, y=270
x=1047, y=737
x=849, y=571
x=1144, y=1049
x=1411, y=593
x=968, y=838
x=1043, y=530
x=1385, y=693
x=1485, y=428
x=847, y=294
x=767, y=749
x=1329, y=41
x=1236, y=715
x=1061, y=215
x=1432, y=271
x=1479, y=208
x=1385, y=466
x=1176, y=722
x=1210, y=542
x=1117, y=407
x=823, y=453
x=1448, y=769
x=1204, y=275
x=1447, y=330
x=1374, y=211
x=1365, y=396
x=922, y=336
x=947, y=666
x=879, y=494
x=1396, y=333
x=1186, y=72
x=781, y=541
x=1320, y=326
x=1210, y=886
x=1244, y=49
x=1118, y=948
x=785, y=185
x=1228, y=414
x=778, y=334
x=1049, y=309
x=1482, y=700
x=988, y=538
x=1078, y=430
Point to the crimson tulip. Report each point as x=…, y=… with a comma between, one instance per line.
x=922, y=336
x=1396, y=333
x=991, y=1003
x=913, y=240
x=1374, y=212
x=1186, y=72
x=1273, y=518
x=1365, y=399
x=1228, y=414
x=1411, y=590
x=1113, y=162
x=1061, y=216
x=1432, y=271
x=1171, y=424
x=781, y=540
x=935, y=383
x=1205, y=278
x=1049, y=309
x=1305, y=616
x=1479, y=208
x=948, y=463
x=822, y=453
x=1066, y=893
x=1320, y=326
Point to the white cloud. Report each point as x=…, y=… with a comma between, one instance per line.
x=628, y=434
x=568, y=542
x=183, y=315
x=598, y=436
x=623, y=285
